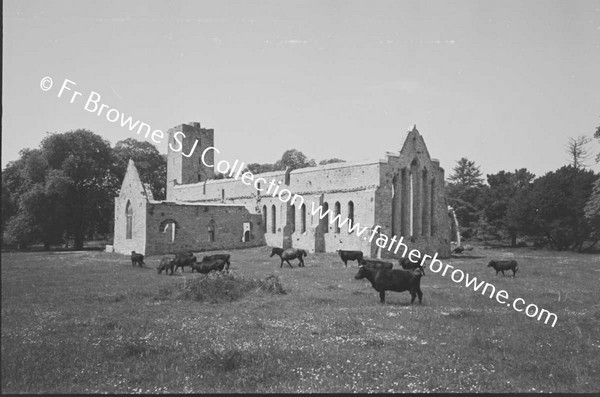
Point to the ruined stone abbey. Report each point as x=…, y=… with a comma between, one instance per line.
x=403, y=194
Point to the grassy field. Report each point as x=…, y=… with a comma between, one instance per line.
x=78, y=322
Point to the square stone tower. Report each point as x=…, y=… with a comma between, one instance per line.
x=187, y=143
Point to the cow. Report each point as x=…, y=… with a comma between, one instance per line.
x=224, y=257
x=183, y=259
x=290, y=253
x=205, y=267
x=375, y=264
x=407, y=264
x=501, y=266
x=393, y=280
x=350, y=256
x=458, y=250
x=137, y=259
x=166, y=263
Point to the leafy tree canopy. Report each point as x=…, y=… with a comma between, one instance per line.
x=151, y=165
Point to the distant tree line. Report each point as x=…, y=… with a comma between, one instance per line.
x=65, y=189
x=560, y=209
x=292, y=159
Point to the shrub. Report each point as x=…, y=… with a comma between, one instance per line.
x=216, y=287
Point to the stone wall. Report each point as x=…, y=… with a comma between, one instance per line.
x=132, y=193
x=381, y=192
x=423, y=221
x=184, y=165
x=192, y=227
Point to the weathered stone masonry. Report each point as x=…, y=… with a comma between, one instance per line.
x=158, y=227
x=403, y=194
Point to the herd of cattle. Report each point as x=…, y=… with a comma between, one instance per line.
x=380, y=273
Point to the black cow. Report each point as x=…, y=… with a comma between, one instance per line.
x=350, y=256
x=205, y=267
x=458, y=250
x=166, y=263
x=290, y=253
x=224, y=257
x=183, y=259
x=501, y=266
x=375, y=264
x=408, y=264
x=393, y=280
x=137, y=259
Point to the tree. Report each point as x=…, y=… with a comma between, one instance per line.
x=592, y=212
x=294, y=159
x=85, y=162
x=576, y=148
x=8, y=207
x=331, y=161
x=151, y=165
x=505, y=202
x=597, y=136
x=466, y=193
x=556, y=203
x=257, y=168
x=466, y=174
x=38, y=199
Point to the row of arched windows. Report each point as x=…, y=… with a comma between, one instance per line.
x=337, y=214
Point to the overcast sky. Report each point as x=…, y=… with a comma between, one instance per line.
x=503, y=83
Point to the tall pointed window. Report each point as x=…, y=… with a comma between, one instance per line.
x=303, y=218
x=273, y=219
x=264, y=218
x=211, y=231
x=324, y=223
x=129, y=216
x=350, y=215
x=338, y=211
x=292, y=215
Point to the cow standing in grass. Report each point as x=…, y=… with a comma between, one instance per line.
x=166, y=263
x=288, y=254
x=350, y=256
x=375, y=264
x=137, y=259
x=184, y=259
x=207, y=266
x=223, y=257
x=501, y=266
x=393, y=280
x=408, y=264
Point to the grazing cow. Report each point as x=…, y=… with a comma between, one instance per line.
x=290, y=253
x=166, y=263
x=407, y=264
x=375, y=264
x=350, y=256
x=501, y=266
x=183, y=259
x=393, y=280
x=205, y=267
x=225, y=257
x=137, y=259
x=458, y=250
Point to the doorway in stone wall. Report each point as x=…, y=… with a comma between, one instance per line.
x=247, y=232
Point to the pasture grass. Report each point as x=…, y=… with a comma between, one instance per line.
x=81, y=322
